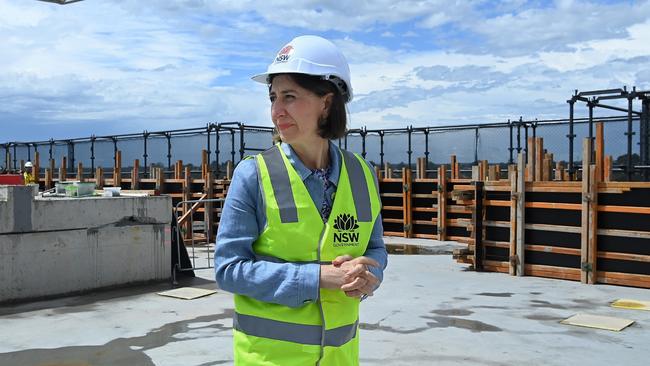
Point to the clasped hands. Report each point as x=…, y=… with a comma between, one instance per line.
x=350, y=275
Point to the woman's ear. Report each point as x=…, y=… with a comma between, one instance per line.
x=327, y=103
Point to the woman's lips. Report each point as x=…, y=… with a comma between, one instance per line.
x=284, y=126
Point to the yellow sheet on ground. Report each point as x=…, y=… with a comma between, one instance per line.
x=631, y=304
x=187, y=293
x=598, y=322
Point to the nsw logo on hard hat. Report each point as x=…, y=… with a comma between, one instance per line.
x=347, y=234
x=284, y=54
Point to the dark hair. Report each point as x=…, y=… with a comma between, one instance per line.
x=335, y=125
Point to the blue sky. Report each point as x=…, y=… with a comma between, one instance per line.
x=109, y=67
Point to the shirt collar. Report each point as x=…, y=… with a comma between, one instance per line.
x=304, y=172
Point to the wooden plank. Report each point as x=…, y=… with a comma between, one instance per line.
x=498, y=264
x=593, y=225
x=607, y=168
x=406, y=176
x=514, y=198
x=552, y=249
x=624, y=209
x=442, y=201
x=625, y=233
x=496, y=244
x=586, y=197
x=625, y=256
x=400, y=195
x=117, y=171
x=496, y=223
x=558, y=228
x=394, y=221
x=426, y=209
x=135, y=175
x=557, y=189
x=625, y=279
x=521, y=216
x=393, y=208
x=80, y=172
x=454, y=174
x=539, y=158
x=626, y=185
x=498, y=269
x=499, y=203
x=555, y=206
x=538, y=270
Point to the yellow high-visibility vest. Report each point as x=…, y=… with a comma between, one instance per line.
x=325, y=331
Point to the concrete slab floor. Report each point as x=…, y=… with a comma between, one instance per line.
x=429, y=311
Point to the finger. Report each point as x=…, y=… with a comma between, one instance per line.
x=367, y=261
x=340, y=259
x=354, y=293
x=356, y=271
x=370, y=277
x=357, y=283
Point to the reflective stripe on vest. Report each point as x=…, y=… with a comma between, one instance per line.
x=281, y=185
x=291, y=332
x=284, y=193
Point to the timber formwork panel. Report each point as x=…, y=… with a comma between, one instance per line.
x=395, y=201
x=496, y=226
x=424, y=208
x=623, y=234
x=553, y=225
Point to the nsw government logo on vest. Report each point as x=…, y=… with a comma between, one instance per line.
x=346, y=234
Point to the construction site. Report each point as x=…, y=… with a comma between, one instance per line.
x=520, y=242
x=500, y=255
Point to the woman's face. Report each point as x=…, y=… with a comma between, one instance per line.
x=295, y=111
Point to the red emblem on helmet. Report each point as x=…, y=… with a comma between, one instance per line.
x=284, y=54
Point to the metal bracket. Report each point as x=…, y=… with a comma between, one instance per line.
x=407, y=227
x=514, y=260
x=586, y=267
x=405, y=187
x=587, y=198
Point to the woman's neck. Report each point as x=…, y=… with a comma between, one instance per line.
x=315, y=154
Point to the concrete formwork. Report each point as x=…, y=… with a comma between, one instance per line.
x=54, y=246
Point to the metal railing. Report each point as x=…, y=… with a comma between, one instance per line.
x=186, y=222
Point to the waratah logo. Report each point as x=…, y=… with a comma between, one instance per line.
x=345, y=222
x=347, y=236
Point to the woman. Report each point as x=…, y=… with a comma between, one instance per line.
x=300, y=238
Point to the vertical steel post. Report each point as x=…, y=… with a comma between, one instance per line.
x=29, y=152
x=511, y=148
x=145, y=136
x=525, y=140
x=209, y=129
x=232, y=146
x=92, y=153
x=571, y=135
x=476, y=145
x=645, y=136
x=409, y=130
x=518, y=138
x=14, y=145
x=591, y=105
x=216, y=148
x=629, y=134
x=71, y=156
x=242, y=143
x=426, y=149
x=168, y=136
x=381, y=148
x=363, y=142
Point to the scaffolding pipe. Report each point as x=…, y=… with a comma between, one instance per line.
x=571, y=135
x=629, y=134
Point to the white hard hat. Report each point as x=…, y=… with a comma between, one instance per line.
x=312, y=55
x=28, y=164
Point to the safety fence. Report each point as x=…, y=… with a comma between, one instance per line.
x=497, y=142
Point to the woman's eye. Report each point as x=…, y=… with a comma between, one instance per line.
x=272, y=98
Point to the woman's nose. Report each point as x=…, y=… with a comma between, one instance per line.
x=277, y=109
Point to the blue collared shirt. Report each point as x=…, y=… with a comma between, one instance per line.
x=242, y=221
